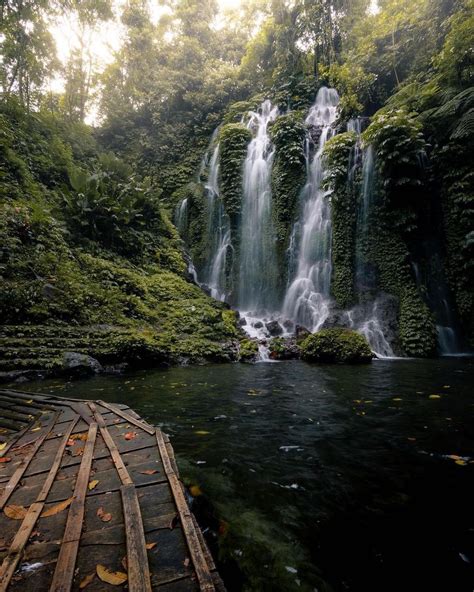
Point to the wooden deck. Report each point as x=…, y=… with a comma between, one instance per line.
x=90, y=494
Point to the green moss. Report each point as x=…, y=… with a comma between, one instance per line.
x=344, y=214
x=417, y=330
x=56, y=273
x=336, y=346
x=287, y=134
x=248, y=350
x=234, y=139
x=229, y=318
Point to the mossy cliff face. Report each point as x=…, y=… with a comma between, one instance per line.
x=234, y=139
x=398, y=144
x=57, y=272
x=344, y=212
x=288, y=176
x=454, y=165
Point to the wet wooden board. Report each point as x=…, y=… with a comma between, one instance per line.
x=88, y=483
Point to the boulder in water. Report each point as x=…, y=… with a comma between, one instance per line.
x=301, y=332
x=282, y=348
x=274, y=328
x=76, y=364
x=258, y=325
x=332, y=346
x=248, y=350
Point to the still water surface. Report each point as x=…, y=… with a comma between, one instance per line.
x=327, y=478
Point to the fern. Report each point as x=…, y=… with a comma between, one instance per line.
x=465, y=127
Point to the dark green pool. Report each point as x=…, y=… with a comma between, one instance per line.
x=322, y=477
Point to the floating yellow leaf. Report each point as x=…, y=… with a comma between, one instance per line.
x=57, y=508
x=36, y=429
x=87, y=580
x=15, y=512
x=93, y=484
x=2, y=446
x=195, y=490
x=434, y=397
x=115, y=578
x=397, y=399
x=460, y=462
x=201, y=432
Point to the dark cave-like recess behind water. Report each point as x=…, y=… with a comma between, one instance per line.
x=328, y=478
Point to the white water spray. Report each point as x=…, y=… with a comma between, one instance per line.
x=307, y=298
x=258, y=272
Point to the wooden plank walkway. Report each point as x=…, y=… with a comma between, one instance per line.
x=90, y=499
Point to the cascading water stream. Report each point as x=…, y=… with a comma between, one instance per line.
x=181, y=216
x=307, y=298
x=366, y=317
x=218, y=232
x=258, y=273
x=437, y=298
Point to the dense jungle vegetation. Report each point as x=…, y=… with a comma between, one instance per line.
x=90, y=174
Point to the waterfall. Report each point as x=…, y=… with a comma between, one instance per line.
x=218, y=233
x=432, y=284
x=258, y=271
x=363, y=281
x=366, y=317
x=181, y=217
x=307, y=298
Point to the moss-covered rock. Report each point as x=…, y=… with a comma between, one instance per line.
x=248, y=350
x=284, y=348
x=336, y=346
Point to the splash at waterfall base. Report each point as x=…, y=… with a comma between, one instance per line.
x=302, y=227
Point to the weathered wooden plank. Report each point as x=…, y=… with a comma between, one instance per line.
x=19, y=472
x=114, y=452
x=137, y=560
x=64, y=572
x=200, y=565
x=128, y=417
x=139, y=574
x=10, y=562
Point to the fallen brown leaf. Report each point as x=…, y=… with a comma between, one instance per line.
x=57, y=508
x=82, y=436
x=173, y=522
x=103, y=515
x=186, y=562
x=151, y=545
x=130, y=435
x=87, y=580
x=115, y=578
x=15, y=512
x=149, y=472
x=124, y=563
x=4, y=459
